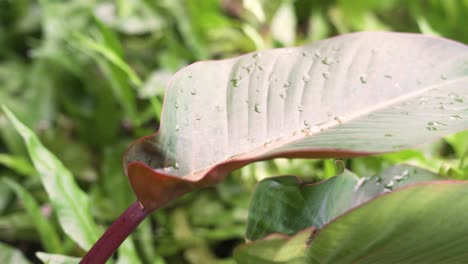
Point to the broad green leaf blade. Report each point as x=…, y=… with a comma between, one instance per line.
x=356, y=94
x=10, y=254
x=286, y=205
x=47, y=234
x=68, y=201
x=420, y=224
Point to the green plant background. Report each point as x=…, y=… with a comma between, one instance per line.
x=88, y=78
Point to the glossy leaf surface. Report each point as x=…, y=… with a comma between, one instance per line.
x=356, y=94
x=286, y=205
x=419, y=223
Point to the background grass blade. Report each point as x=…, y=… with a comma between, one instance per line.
x=68, y=201
x=47, y=234
x=47, y=258
x=11, y=255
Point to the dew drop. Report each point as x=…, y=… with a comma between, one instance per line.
x=176, y=105
x=403, y=176
x=455, y=117
x=429, y=128
x=327, y=61
x=306, y=77
x=287, y=84
x=338, y=119
x=436, y=124
x=378, y=180
x=388, y=76
x=389, y=185
x=363, y=79
x=177, y=128
x=235, y=82
x=306, y=124
x=219, y=108
x=300, y=108
x=247, y=67
x=198, y=117
x=282, y=95
x=193, y=91
x=443, y=77
x=456, y=97
x=260, y=68
x=361, y=183
x=326, y=75
x=258, y=108
x=256, y=55
x=176, y=165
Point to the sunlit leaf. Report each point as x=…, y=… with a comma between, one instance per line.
x=352, y=95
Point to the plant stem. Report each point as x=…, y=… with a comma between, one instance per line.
x=116, y=234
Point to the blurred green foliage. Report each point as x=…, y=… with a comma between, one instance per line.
x=88, y=77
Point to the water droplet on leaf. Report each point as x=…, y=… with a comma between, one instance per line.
x=363, y=79
x=402, y=177
x=361, y=183
x=327, y=61
x=258, y=108
x=389, y=185
x=454, y=117
x=235, y=82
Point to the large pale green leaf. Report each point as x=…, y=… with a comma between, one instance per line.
x=356, y=94
x=399, y=216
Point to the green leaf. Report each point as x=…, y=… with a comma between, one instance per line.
x=353, y=95
x=47, y=258
x=18, y=164
x=70, y=203
x=274, y=249
x=47, y=234
x=389, y=218
x=283, y=25
x=286, y=205
x=421, y=224
x=10, y=254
